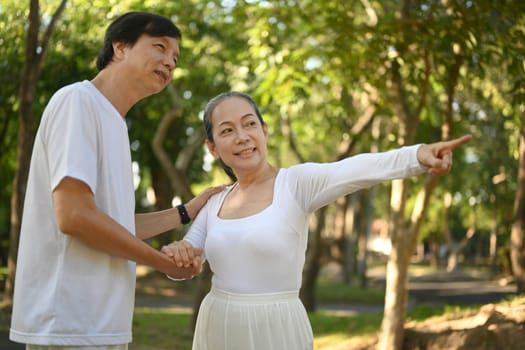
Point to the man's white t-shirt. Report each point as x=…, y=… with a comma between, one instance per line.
x=265, y=252
x=67, y=293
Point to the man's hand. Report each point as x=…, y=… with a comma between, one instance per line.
x=194, y=205
x=184, y=256
x=183, y=253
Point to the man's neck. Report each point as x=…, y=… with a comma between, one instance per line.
x=115, y=91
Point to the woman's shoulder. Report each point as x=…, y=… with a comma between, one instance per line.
x=301, y=168
x=218, y=197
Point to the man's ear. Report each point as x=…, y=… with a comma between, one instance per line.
x=118, y=49
x=211, y=148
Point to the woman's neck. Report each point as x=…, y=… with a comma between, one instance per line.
x=265, y=174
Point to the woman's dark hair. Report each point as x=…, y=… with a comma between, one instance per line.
x=129, y=27
x=208, y=127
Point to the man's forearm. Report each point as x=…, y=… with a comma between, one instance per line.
x=151, y=224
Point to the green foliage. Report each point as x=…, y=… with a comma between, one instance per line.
x=12, y=42
x=314, y=66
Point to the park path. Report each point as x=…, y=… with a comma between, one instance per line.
x=437, y=288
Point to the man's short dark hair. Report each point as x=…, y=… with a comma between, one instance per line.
x=129, y=27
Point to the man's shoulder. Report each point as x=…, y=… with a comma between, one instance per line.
x=79, y=86
x=78, y=96
x=81, y=93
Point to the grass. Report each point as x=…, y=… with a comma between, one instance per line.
x=161, y=329
x=170, y=328
x=338, y=292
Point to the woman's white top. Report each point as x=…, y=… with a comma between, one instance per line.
x=265, y=252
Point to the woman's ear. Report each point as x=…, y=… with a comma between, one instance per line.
x=211, y=148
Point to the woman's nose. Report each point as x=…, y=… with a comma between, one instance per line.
x=242, y=136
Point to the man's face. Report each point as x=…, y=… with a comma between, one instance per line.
x=150, y=62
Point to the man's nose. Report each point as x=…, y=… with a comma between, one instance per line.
x=170, y=63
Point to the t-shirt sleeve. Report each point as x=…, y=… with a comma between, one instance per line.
x=70, y=136
x=196, y=235
x=318, y=184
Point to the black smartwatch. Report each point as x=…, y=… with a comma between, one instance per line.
x=184, y=217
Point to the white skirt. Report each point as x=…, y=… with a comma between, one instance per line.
x=229, y=321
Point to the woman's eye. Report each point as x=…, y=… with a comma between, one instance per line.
x=226, y=131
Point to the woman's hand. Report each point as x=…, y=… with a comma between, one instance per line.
x=183, y=253
x=438, y=156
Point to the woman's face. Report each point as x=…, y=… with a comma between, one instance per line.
x=239, y=138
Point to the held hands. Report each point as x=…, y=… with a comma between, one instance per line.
x=184, y=255
x=187, y=259
x=438, y=156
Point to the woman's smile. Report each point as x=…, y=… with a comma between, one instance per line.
x=245, y=152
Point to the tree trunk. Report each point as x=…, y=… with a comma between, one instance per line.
x=517, y=252
x=434, y=253
x=176, y=172
x=396, y=273
x=203, y=287
x=493, y=248
x=179, y=182
x=456, y=248
x=312, y=265
x=362, y=252
x=348, y=238
x=31, y=71
x=23, y=158
x=404, y=239
x=396, y=296
x=453, y=256
x=163, y=198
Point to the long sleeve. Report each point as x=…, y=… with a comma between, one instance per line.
x=318, y=184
